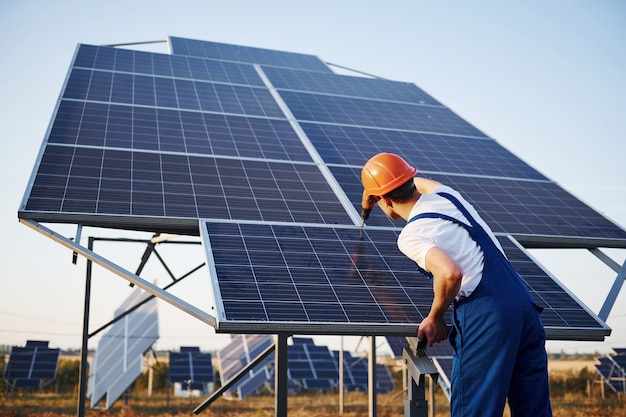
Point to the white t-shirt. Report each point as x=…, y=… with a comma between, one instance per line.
x=418, y=237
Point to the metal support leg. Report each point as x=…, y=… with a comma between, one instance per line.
x=416, y=405
x=280, y=375
x=83, y=349
x=371, y=382
x=341, y=370
x=613, y=293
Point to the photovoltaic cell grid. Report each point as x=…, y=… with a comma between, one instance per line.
x=320, y=278
x=236, y=53
x=32, y=365
x=313, y=275
x=356, y=374
x=612, y=372
x=190, y=367
x=154, y=150
x=290, y=79
x=151, y=142
x=242, y=350
x=309, y=365
x=511, y=206
x=118, y=361
x=429, y=152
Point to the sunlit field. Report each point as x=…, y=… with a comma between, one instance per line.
x=138, y=404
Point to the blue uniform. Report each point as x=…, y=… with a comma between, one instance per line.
x=497, y=337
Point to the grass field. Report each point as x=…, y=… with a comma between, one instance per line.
x=308, y=405
x=574, y=387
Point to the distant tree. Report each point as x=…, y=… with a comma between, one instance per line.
x=68, y=375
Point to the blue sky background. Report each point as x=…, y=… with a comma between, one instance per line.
x=547, y=79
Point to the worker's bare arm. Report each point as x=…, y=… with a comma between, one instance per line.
x=447, y=276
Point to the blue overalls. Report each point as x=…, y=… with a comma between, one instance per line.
x=497, y=337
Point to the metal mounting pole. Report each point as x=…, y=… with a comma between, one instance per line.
x=341, y=389
x=83, y=349
x=280, y=375
x=371, y=382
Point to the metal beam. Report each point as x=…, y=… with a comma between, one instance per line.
x=613, y=293
x=281, y=377
x=125, y=274
x=371, y=381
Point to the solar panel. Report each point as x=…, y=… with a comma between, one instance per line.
x=356, y=377
x=397, y=345
x=31, y=366
x=345, y=280
x=118, y=361
x=252, y=147
x=191, y=368
x=309, y=365
x=242, y=350
x=612, y=373
x=237, y=53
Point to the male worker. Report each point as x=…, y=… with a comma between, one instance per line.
x=497, y=336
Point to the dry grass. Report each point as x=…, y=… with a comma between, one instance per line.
x=309, y=405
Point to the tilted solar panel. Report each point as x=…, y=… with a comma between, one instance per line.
x=32, y=365
x=118, y=361
x=237, y=53
x=190, y=366
x=242, y=350
x=612, y=373
x=310, y=365
x=539, y=213
x=356, y=377
x=345, y=280
x=251, y=140
x=296, y=80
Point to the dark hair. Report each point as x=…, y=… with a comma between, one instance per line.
x=402, y=193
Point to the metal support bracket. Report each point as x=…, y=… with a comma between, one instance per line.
x=418, y=365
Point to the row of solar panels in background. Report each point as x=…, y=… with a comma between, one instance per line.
x=31, y=366
x=612, y=370
x=309, y=367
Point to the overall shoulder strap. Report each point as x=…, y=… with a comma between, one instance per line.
x=457, y=204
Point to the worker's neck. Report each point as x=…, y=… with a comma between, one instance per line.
x=404, y=209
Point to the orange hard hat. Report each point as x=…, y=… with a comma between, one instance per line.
x=384, y=173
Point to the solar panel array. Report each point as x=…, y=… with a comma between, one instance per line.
x=31, y=366
x=118, y=361
x=612, y=370
x=356, y=374
x=309, y=365
x=266, y=147
x=191, y=368
x=242, y=350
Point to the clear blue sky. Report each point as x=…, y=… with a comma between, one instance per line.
x=547, y=79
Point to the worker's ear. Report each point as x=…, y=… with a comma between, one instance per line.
x=387, y=201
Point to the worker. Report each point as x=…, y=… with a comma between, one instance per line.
x=497, y=336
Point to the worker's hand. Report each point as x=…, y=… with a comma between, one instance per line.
x=433, y=329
